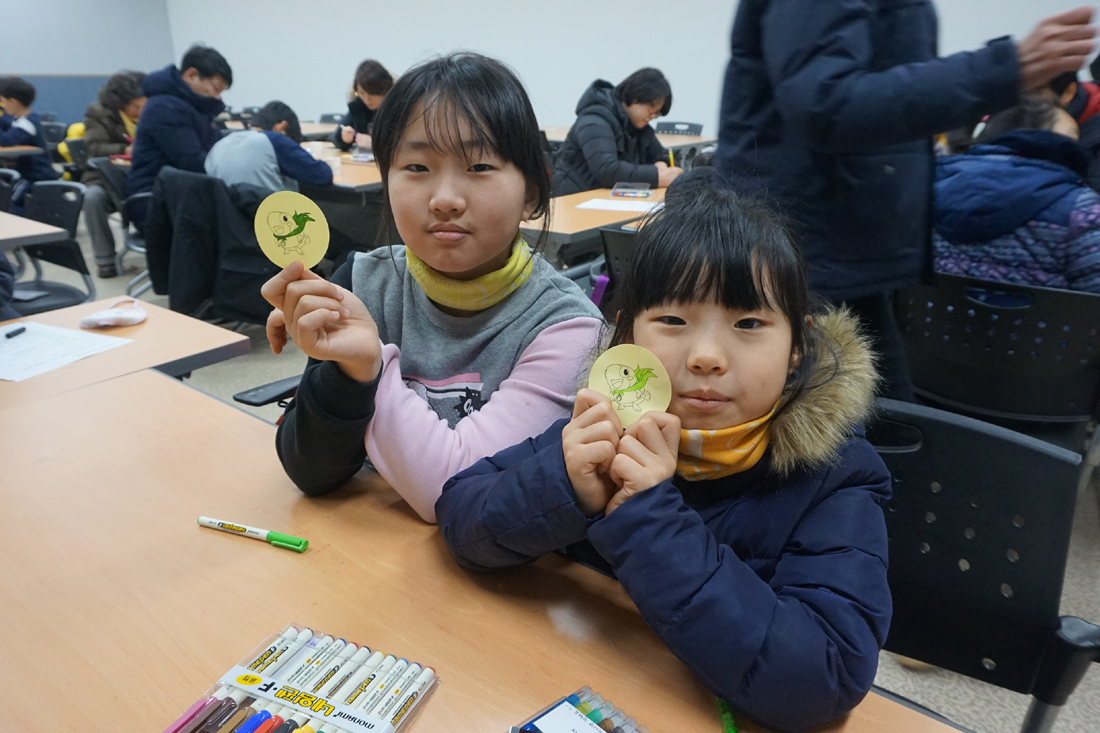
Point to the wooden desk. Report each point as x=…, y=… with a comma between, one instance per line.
x=351, y=184
x=18, y=231
x=167, y=341
x=115, y=595
x=317, y=130
x=569, y=224
x=18, y=151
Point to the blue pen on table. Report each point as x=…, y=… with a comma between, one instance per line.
x=286, y=541
x=15, y=332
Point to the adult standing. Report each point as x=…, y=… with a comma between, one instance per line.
x=829, y=107
x=109, y=129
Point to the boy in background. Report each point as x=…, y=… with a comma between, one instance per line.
x=177, y=123
x=271, y=157
x=20, y=126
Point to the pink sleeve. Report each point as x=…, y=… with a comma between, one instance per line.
x=416, y=451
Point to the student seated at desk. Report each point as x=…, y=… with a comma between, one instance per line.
x=372, y=84
x=745, y=522
x=109, y=128
x=271, y=156
x=177, y=124
x=7, y=287
x=1015, y=207
x=611, y=141
x=430, y=356
x=20, y=126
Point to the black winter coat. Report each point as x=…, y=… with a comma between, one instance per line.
x=359, y=116
x=833, y=117
x=603, y=148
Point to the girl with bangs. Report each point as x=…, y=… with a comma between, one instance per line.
x=745, y=522
x=429, y=355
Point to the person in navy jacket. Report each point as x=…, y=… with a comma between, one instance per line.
x=834, y=115
x=177, y=124
x=757, y=552
x=20, y=126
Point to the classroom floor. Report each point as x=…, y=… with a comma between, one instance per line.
x=970, y=703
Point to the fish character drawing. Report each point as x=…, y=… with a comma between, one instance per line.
x=628, y=385
x=285, y=226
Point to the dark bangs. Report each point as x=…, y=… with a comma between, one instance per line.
x=486, y=95
x=711, y=245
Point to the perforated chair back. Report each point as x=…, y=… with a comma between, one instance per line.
x=331, y=117
x=78, y=151
x=617, y=246
x=54, y=132
x=979, y=529
x=679, y=128
x=57, y=203
x=114, y=179
x=1003, y=351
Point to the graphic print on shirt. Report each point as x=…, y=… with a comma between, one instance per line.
x=452, y=398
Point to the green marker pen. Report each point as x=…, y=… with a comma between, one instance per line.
x=287, y=542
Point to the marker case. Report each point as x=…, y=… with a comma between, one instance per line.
x=249, y=688
x=582, y=712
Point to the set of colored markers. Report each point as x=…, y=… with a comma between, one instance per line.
x=582, y=712
x=310, y=682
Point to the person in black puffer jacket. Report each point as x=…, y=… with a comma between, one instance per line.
x=611, y=141
x=372, y=83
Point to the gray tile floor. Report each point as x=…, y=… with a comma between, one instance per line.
x=970, y=703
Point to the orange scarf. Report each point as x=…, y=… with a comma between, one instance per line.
x=711, y=454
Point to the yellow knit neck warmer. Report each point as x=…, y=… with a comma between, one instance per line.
x=480, y=293
x=711, y=454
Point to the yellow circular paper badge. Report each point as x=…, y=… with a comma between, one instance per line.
x=291, y=227
x=634, y=379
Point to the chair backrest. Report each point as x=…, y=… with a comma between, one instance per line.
x=47, y=116
x=54, y=132
x=10, y=175
x=6, y=192
x=78, y=151
x=979, y=527
x=331, y=117
x=617, y=246
x=57, y=203
x=113, y=177
x=679, y=128
x=1003, y=351
x=65, y=254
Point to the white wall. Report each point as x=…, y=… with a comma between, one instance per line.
x=92, y=37
x=305, y=52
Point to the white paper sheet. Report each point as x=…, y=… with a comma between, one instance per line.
x=42, y=349
x=640, y=207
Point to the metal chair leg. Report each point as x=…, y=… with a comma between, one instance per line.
x=20, y=263
x=1090, y=462
x=132, y=288
x=1040, y=717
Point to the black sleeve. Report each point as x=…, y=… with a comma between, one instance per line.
x=321, y=439
x=349, y=121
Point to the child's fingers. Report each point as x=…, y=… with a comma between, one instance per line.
x=310, y=303
x=633, y=449
x=601, y=431
x=276, y=331
x=598, y=455
x=274, y=289
x=587, y=398
x=658, y=431
x=313, y=322
x=299, y=289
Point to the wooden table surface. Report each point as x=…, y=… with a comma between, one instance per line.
x=353, y=175
x=18, y=231
x=18, y=151
x=569, y=224
x=113, y=594
x=558, y=133
x=170, y=342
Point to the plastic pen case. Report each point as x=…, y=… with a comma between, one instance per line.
x=305, y=680
x=582, y=712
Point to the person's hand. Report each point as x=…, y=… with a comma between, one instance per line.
x=588, y=443
x=129, y=149
x=666, y=175
x=1058, y=44
x=347, y=134
x=646, y=456
x=327, y=322
x=363, y=141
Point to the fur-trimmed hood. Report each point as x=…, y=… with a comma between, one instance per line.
x=808, y=432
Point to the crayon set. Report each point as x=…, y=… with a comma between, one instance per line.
x=582, y=712
x=309, y=682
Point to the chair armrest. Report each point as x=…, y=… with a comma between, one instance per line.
x=279, y=391
x=1072, y=648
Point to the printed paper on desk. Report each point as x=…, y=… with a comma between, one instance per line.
x=566, y=719
x=45, y=348
x=637, y=207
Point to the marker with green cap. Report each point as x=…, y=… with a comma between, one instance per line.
x=286, y=541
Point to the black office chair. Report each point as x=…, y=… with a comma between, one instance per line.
x=78, y=151
x=54, y=132
x=332, y=117
x=8, y=179
x=979, y=529
x=680, y=128
x=114, y=183
x=57, y=203
x=246, y=114
x=1020, y=356
x=47, y=116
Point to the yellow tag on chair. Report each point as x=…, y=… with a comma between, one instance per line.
x=291, y=227
x=634, y=379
